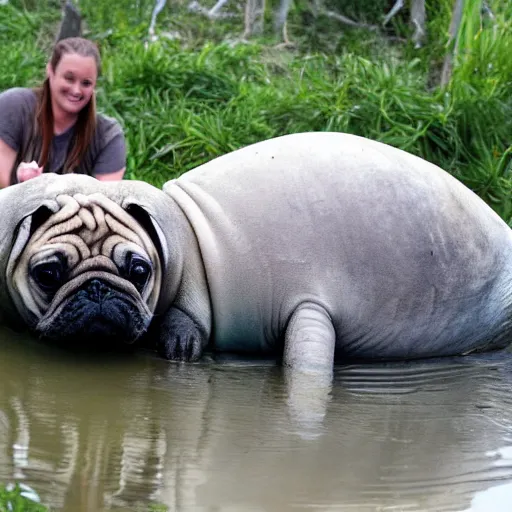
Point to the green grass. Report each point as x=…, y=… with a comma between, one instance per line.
x=19, y=499
x=183, y=102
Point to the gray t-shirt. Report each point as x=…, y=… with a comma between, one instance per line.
x=105, y=154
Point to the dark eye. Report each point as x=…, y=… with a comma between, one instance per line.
x=49, y=276
x=139, y=271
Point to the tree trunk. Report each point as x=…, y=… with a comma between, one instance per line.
x=418, y=21
x=281, y=16
x=254, y=17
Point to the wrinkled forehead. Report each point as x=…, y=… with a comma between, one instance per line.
x=93, y=218
x=94, y=210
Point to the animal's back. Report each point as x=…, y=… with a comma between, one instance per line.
x=406, y=260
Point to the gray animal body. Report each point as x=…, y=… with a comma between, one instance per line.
x=311, y=245
x=333, y=239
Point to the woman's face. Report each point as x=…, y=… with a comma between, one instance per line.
x=72, y=82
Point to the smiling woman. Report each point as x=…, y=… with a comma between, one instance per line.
x=55, y=128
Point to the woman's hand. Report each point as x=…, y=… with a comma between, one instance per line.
x=27, y=171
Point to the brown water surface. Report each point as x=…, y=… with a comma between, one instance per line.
x=127, y=432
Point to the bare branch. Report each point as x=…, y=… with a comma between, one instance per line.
x=160, y=4
x=347, y=21
x=196, y=7
x=454, y=31
x=399, y=4
x=286, y=42
x=213, y=12
x=418, y=20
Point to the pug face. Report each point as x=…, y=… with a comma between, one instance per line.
x=86, y=272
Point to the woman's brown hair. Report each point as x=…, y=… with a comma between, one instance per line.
x=86, y=122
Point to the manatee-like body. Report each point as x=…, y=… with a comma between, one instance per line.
x=313, y=246
x=332, y=244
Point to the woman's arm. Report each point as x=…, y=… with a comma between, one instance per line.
x=110, y=164
x=17, y=107
x=7, y=159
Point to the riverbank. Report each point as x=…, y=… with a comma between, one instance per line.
x=198, y=91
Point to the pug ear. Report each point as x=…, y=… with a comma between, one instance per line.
x=18, y=205
x=25, y=230
x=21, y=214
x=149, y=224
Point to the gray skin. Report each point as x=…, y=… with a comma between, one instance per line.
x=315, y=246
x=335, y=245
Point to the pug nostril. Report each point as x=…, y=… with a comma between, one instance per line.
x=97, y=290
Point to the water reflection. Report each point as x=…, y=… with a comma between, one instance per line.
x=116, y=432
x=496, y=499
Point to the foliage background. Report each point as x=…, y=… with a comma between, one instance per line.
x=198, y=91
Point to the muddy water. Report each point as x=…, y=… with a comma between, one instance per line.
x=124, y=432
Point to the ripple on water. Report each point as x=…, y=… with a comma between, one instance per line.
x=106, y=434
